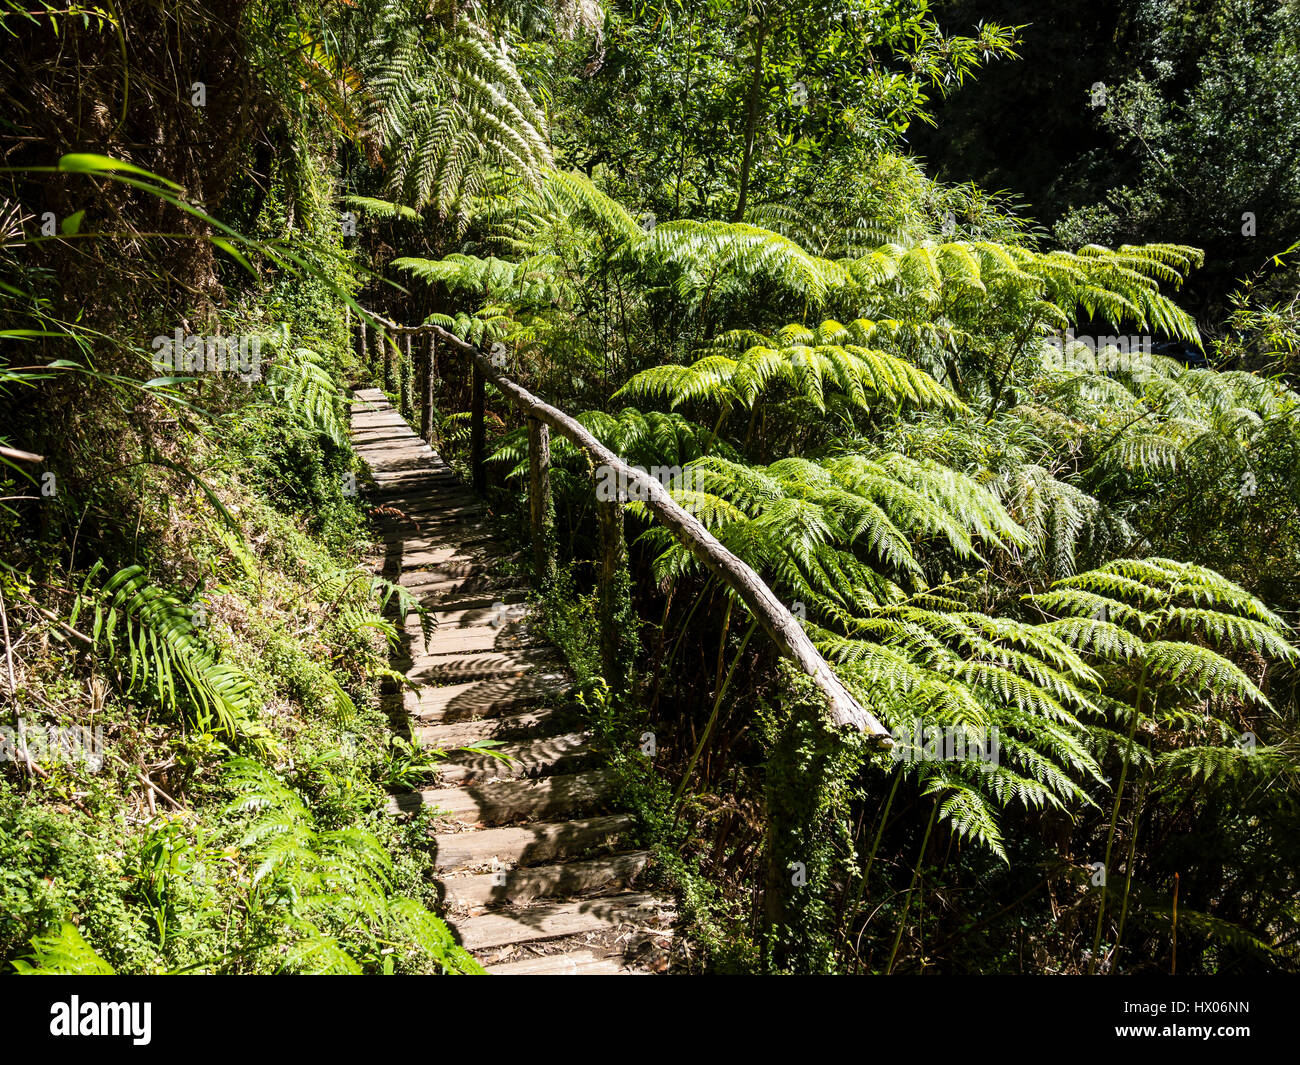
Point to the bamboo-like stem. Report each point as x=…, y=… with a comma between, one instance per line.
x=1128, y=865
x=1114, y=817
x=717, y=704
x=875, y=846
x=911, y=888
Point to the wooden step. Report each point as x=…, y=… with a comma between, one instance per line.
x=543, y=722
x=487, y=697
x=419, y=479
x=433, y=489
x=432, y=588
x=436, y=506
x=455, y=569
x=493, y=611
x=541, y=756
x=499, y=802
x=554, y=920
x=505, y=887
x=432, y=558
x=467, y=537
x=429, y=532
x=571, y=963
x=374, y=421
x=382, y=440
x=443, y=605
x=457, y=668
x=385, y=458
x=479, y=638
x=398, y=514
x=528, y=844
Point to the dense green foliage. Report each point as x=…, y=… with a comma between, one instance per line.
x=702, y=230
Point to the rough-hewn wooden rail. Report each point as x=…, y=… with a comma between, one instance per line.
x=735, y=573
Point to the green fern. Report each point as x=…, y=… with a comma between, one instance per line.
x=448, y=106
x=321, y=887
x=382, y=209
x=150, y=637
x=300, y=381
x=807, y=361
x=62, y=952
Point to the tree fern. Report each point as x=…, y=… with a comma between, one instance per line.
x=806, y=361
x=448, y=106
x=1147, y=623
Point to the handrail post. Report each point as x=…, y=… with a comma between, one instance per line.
x=539, y=499
x=390, y=375
x=428, y=369
x=478, y=472
x=407, y=371
x=614, y=593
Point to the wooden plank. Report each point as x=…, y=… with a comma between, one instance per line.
x=570, y=963
x=524, y=844
x=456, y=669
x=494, y=612
x=513, y=886
x=478, y=638
x=420, y=573
x=414, y=556
x=453, y=590
x=486, y=697
x=463, y=539
x=498, y=802
x=554, y=920
x=449, y=734
x=540, y=756
x=427, y=480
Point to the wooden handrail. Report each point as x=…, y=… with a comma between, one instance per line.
x=777, y=621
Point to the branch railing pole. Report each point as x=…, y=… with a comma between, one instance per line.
x=478, y=471
x=772, y=615
x=540, y=507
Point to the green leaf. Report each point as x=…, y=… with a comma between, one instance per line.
x=90, y=163
x=229, y=248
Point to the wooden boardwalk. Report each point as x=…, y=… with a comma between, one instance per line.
x=532, y=867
